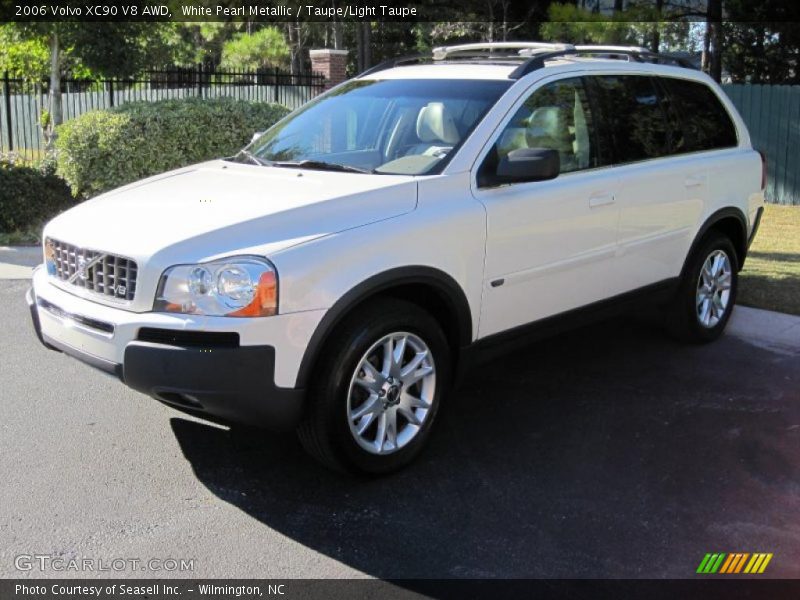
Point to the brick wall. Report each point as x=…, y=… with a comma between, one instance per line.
x=332, y=64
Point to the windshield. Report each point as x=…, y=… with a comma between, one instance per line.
x=407, y=127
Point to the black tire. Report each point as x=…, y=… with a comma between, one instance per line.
x=325, y=430
x=683, y=321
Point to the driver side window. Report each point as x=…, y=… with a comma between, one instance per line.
x=557, y=117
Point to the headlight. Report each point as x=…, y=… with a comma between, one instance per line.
x=233, y=287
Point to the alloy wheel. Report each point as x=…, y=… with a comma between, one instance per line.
x=391, y=393
x=714, y=289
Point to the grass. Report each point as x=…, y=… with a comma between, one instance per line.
x=771, y=275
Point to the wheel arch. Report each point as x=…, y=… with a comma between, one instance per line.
x=428, y=287
x=730, y=221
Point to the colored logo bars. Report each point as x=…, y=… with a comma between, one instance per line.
x=734, y=563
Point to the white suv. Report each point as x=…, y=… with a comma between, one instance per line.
x=338, y=273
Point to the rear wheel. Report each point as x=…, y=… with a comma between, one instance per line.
x=706, y=296
x=377, y=389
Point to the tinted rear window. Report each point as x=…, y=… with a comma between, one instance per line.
x=634, y=117
x=706, y=123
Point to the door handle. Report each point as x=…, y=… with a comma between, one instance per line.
x=694, y=181
x=601, y=199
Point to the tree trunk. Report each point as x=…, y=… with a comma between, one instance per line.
x=338, y=35
x=716, y=55
x=359, y=49
x=505, y=20
x=363, y=45
x=56, y=112
x=714, y=35
x=618, y=7
x=655, y=42
x=296, y=65
x=367, y=44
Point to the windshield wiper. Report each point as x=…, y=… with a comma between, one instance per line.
x=253, y=158
x=320, y=165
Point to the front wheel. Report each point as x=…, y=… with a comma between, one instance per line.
x=377, y=389
x=706, y=296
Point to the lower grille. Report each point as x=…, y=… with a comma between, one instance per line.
x=175, y=337
x=105, y=274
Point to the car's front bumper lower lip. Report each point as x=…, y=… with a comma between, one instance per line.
x=226, y=384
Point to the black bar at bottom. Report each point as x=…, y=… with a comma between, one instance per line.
x=711, y=587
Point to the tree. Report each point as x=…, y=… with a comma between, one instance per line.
x=104, y=49
x=264, y=48
x=21, y=57
x=640, y=25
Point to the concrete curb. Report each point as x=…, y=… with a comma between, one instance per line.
x=766, y=329
x=17, y=262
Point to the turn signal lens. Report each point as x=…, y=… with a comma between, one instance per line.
x=265, y=301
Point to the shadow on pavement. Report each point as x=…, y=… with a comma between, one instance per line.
x=607, y=452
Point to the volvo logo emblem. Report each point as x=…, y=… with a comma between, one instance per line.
x=393, y=395
x=82, y=267
x=81, y=272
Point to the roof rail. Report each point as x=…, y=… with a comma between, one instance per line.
x=536, y=61
x=636, y=53
x=533, y=55
x=607, y=48
x=519, y=48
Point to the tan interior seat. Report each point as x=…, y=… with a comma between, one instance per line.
x=436, y=130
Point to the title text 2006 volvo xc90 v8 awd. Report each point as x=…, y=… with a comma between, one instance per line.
x=342, y=268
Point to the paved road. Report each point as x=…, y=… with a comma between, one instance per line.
x=607, y=452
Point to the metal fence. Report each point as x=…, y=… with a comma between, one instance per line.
x=772, y=114
x=23, y=102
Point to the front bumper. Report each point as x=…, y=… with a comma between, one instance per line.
x=207, y=375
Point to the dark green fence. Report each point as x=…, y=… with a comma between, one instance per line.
x=772, y=114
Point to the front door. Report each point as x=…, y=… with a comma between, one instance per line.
x=550, y=244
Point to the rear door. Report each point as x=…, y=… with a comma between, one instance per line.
x=660, y=195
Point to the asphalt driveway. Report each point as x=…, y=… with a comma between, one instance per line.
x=607, y=452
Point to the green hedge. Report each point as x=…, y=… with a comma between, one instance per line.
x=102, y=150
x=29, y=197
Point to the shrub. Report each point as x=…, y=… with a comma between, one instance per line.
x=29, y=197
x=102, y=150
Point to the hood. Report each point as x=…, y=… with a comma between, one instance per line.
x=217, y=208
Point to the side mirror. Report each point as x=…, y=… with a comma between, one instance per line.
x=528, y=164
x=256, y=136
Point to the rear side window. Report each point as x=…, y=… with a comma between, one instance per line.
x=634, y=117
x=706, y=123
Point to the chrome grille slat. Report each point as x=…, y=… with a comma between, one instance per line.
x=111, y=276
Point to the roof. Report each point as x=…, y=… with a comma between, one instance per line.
x=514, y=60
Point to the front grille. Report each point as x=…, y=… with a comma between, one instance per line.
x=105, y=274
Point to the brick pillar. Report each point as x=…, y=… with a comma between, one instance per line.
x=332, y=64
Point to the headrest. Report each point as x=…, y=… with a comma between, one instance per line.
x=436, y=124
x=547, y=121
